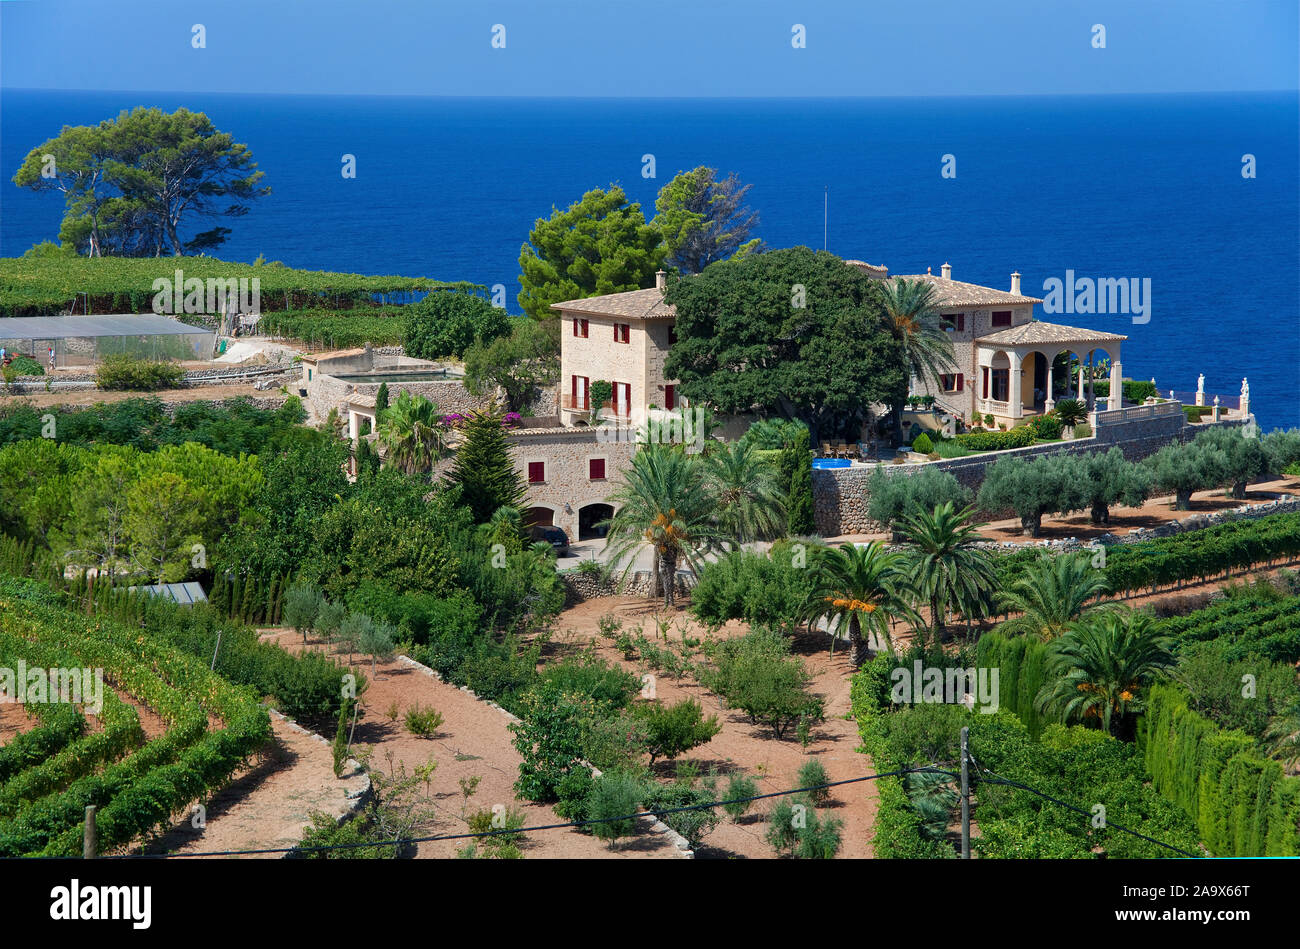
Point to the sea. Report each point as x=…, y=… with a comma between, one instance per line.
x=1196, y=194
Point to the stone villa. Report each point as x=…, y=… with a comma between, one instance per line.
x=570, y=454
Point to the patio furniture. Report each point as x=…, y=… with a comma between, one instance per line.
x=827, y=452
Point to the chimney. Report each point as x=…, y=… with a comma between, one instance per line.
x=661, y=279
x=946, y=270
x=1015, y=284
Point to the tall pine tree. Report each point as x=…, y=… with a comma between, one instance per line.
x=484, y=469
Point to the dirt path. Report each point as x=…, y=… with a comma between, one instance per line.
x=741, y=747
x=92, y=396
x=269, y=803
x=473, y=741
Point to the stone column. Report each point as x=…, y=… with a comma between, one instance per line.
x=1014, y=397
x=1116, y=398
x=1080, y=395
x=1217, y=410
x=1048, y=402
x=352, y=426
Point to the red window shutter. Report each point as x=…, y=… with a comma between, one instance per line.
x=960, y=380
x=985, y=370
x=670, y=398
x=575, y=326
x=596, y=469
x=961, y=322
x=536, y=472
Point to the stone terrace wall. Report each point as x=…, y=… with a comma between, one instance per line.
x=840, y=495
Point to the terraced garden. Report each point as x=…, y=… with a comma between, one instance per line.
x=55, y=769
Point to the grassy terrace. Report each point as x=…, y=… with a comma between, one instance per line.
x=44, y=286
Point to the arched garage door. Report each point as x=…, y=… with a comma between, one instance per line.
x=589, y=521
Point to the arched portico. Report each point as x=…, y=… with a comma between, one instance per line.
x=1017, y=375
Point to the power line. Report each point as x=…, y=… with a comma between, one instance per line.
x=657, y=812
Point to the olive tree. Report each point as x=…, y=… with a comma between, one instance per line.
x=1111, y=479
x=1188, y=467
x=1050, y=484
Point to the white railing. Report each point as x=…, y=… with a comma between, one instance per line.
x=1131, y=412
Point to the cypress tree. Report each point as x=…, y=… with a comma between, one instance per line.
x=246, y=603
x=484, y=469
x=381, y=402
x=236, y=591
x=800, y=521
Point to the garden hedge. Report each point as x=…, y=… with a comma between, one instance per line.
x=1242, y=803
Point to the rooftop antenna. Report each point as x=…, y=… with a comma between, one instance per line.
x=826, y=206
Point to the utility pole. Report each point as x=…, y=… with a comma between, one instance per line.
x=965, y=796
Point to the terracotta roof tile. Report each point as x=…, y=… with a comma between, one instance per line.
x=957, y=293
x=1036, y=333
x=631, y=304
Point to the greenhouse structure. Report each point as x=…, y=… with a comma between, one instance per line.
x=85, y=340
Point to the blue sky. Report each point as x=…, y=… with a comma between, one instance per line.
x=662, y=48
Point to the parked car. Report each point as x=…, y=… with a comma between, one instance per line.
x=554, y=536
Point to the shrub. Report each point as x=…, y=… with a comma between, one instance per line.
x=614, y=794
x=740, y=786
x=1018, y=437
x=673, y=729
x=1071, y=411
x=600, y=393
x=502, y=827
x=447, y=323
x=794, y=829
x=692, y=824
x=922, y=444
x=767, y=590
x=423, y=723
x=26, y=366
x=811, y=775
x=770, y=434
x=893, y=496
x=133, y=373
x=950, y=448
x=549, y=739
x=756, y=674
x=1195, y=413
x=608, y=685
x=1045, y=427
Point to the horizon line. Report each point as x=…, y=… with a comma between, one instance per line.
x=665, y=98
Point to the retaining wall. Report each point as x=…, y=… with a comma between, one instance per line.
x=841, y=495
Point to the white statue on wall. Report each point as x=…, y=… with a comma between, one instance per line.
x=1245, y=389
x=1200, y=383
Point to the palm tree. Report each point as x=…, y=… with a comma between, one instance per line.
x=665, y=501
x=1071, y=412
x=412, y=434
x=1097, y=671
x=860, y=586
x=913, y=318
x=750, y=502
x=1052, y=594
x=1282, y=738
x=949, y=567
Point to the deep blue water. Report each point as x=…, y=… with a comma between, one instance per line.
x=1106, y=186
